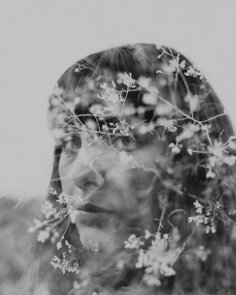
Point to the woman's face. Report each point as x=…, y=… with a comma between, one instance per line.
x=112, y=184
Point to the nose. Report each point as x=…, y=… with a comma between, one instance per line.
x=89, y=170
x=88, y=179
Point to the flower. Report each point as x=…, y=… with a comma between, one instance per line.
x=219, y=155
x=144, y=82
x=193, y=101
x=147, y=234
x=163, y=109
x=229, y=160
x=122, y=127
x=198, y=206
x=157, y=260
x=217, y=149
x=126, y=79
x=110, y=94
x=64, y=199
x=202, y=253
x=52, y=191
x=145, y=128
x=175, y=147
x=43, y=236
x=167, y=271
x=193, y=72
x=48, y=209
x=59, y=245
x=205, y=216
x=133, y=242
x=168, y=124
x=175, y=65
x=210, y=173
x=90, y=124
x=97, y=109
x=151, y=280
x=73, y=215
x=188, y=132
x=149, y=98
x=69, y=260
x=37, y=224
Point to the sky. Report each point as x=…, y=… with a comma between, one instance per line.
x=40, y=39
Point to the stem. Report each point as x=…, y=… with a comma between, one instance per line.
x=126, y=95
x=183, y=246
x=161, y=219
x=62, y=237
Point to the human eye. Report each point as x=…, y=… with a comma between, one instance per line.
x=126, y=143
x=71, y=146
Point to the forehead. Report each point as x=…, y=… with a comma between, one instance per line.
x=97, y=118
x=107, y=106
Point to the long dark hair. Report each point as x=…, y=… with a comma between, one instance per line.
x=178, y=82
x=141, y=60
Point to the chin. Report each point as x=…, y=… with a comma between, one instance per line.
x=101, y=240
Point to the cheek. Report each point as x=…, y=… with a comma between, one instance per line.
x=141, y=180
x=145, y=157
x=148, y=155
x=129, y=191
x=66, y=174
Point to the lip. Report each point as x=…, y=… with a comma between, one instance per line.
x=93, y=216
x=93, y=209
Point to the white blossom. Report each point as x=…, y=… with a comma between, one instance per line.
x=126, y=79
x=144, y=82
x=37, y=224
x=202, y=253
x=210, y=174
x=97, y=109
x=174, y=65
x=193, y=101
x=168, y=124
x=188, y=132
x=175, y=147
x=163, y=109
x=149, y=98
x=59, y=245
x=147, y=234
x=133, y=242
x=43, y=235
x=73, y=214
x=48, y=209
x=157, y=260
x=110, y=94
x=198, y=206
x=193, y=72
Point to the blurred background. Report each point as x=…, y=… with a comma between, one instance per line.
x=40, y=40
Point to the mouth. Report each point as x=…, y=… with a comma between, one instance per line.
x=90, y=208
x=90, y=215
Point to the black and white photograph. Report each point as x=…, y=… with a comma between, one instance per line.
x=118, y=147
